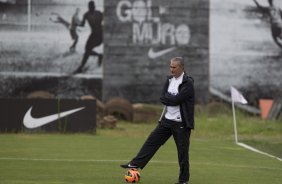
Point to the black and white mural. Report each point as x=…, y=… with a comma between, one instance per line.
x=124, y=50
x=51, y=45
x=245, y=47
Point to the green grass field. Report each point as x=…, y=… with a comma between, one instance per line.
x=95, y=159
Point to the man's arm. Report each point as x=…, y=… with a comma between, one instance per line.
x=174, y=100
x=165, y=87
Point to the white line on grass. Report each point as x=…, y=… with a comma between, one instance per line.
x=75, y=160
x=59, y=160
x=120, y=161
x=237, y=166
x=257, y=151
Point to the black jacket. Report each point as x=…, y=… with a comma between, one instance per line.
x=185, y=99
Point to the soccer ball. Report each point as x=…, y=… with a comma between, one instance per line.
x=132, y=176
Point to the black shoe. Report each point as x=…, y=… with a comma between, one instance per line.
x=129, y=166
x=181, y=183
x=79, y=70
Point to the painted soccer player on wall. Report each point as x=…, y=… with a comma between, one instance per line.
x=249, y=42
x=46, y=45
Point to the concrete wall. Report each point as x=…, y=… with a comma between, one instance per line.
x=141, y=36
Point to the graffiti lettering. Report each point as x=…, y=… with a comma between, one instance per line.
x=138, y=11
x=147, y=29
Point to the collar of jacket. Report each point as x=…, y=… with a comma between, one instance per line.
x=185, y=78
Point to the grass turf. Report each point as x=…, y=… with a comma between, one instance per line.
x=95, y=159
x=85, y=159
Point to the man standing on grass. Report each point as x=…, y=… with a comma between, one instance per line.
x=177, y=120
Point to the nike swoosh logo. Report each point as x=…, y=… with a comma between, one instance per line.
x=31, y=122
x=153, y=55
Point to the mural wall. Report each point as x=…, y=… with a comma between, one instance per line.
x=143, y=35
x=223, y=42
x=42, y=47
x=245, y=47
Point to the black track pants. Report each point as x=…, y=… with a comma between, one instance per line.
x=158, y=137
